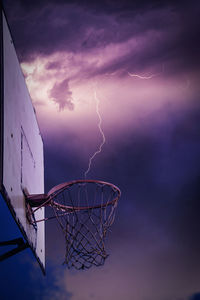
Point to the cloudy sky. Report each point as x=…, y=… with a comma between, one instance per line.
x=139, y=61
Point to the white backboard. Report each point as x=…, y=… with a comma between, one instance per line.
x=22, y=149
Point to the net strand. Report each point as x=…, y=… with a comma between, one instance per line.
x=85, y=229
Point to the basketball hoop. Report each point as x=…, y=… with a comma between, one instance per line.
x=85, y=210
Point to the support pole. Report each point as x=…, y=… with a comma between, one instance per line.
x=21, y=245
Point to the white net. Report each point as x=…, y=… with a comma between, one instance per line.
x=85, y=210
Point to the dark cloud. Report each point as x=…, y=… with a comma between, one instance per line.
x=171, y=30
x=99, y=6
x=53, y=65
x=104, y=6
x=61, y=95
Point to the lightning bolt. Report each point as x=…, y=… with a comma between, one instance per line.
x=99, y=116
x=102, y=134
x=142, y=77
x=147, y=77
x=137, y=75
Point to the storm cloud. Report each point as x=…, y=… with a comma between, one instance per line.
x=61, y=94
x=141, y=60
x=163, y=31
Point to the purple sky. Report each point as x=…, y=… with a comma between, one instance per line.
x=141, y=58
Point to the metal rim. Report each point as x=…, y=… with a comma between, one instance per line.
x=59, y=188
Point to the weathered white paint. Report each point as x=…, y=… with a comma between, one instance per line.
x=23, y=165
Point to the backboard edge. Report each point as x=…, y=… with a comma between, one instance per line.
x=1, y=96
